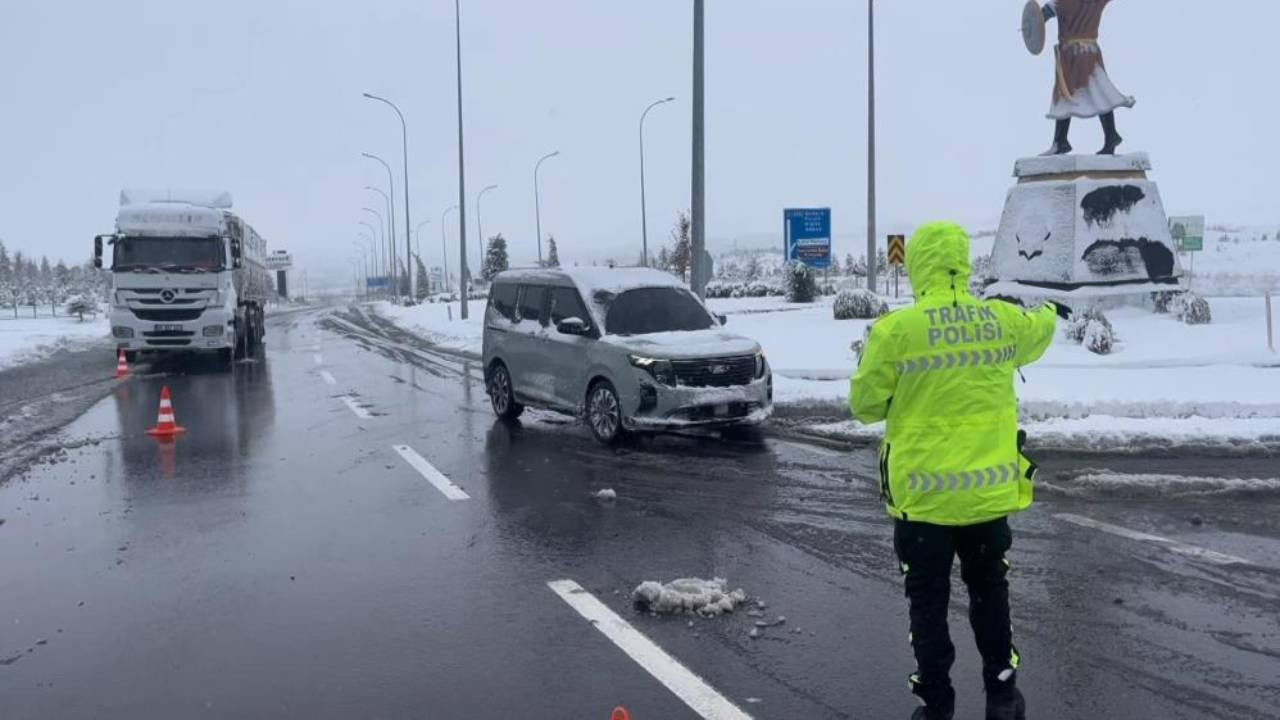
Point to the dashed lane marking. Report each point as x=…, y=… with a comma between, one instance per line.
x=355, y=407
x=690, y=688
x=804, y=447
x=319, y=360
x=428, y=471
x=1181, y=548
x=328, y=377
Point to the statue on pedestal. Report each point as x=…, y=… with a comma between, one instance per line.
x=1081, y=85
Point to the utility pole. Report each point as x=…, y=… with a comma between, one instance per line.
x=462, y=175
x=697, y=208
x=871, y=146
x=480, y=258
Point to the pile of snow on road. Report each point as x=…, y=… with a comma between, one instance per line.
x=707, y=598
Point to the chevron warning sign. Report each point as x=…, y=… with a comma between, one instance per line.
x=897, y=249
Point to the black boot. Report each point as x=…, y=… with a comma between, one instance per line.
x=1060, y=145
x=1111, y=138
x=926, y=713
x=1006, y=705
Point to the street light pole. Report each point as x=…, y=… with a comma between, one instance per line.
x=462, y=174
x=444, y=246
x=697, y=208
x=644, y=220
x=404, y=139
x=871, y=146
x=480, y=228
x=537, y=206
x=382, y=232
x=391, y=212
x=373, y=249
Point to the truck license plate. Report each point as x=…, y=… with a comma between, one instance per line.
x=721, y=411
x=168, y=328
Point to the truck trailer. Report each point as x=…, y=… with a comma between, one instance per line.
x=187, y=275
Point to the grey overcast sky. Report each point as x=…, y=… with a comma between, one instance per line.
x=262, y=98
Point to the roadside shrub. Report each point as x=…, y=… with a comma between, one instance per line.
x=1164, y=299
x=858, y=305
x=1078, y=327
x=1098, y=337
x=801, y=286
x=79, y=305
x=1191, y=309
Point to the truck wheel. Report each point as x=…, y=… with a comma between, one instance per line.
x=226, y=356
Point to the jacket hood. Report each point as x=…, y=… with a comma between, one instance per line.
x=938, y=259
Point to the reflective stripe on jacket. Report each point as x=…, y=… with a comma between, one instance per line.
x=940, y=373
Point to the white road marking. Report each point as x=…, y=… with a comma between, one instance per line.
x=428, y=471
x=815, y=449
x=328, y=377
x=690, y=688
x=1192, y=551
x=319, y=360
x=355, y=407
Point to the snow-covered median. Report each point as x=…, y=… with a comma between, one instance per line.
x=440, y=323
x=24, y=340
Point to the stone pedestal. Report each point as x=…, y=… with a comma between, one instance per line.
x=1083, y=225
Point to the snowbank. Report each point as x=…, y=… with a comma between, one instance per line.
x=439, y=323
x=24, y=340
x=707, y=598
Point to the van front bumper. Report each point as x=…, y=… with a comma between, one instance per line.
x=662, y=407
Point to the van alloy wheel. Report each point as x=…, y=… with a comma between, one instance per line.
x=604, y=412
x=501, y=394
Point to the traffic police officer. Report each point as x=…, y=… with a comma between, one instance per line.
x=940, y=373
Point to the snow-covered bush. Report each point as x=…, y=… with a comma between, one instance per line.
x=983, y=274
x=1164, y=299
x=723, y=289
x=1191, y=309
x=1099, y=338
x=858, y=305
x=801, y=286
x=1078, y=326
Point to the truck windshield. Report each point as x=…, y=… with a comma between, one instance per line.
x=175, y=254
x=652, y=310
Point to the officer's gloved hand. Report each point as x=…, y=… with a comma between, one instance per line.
x=1063, y=311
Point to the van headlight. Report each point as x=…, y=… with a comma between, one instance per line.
x=762, y=365
x=661, y=370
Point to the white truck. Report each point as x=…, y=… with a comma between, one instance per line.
x=187, y=275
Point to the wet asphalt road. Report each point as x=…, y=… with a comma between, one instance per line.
x=281, y=559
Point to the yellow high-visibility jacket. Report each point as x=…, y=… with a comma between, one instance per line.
x=940, y=373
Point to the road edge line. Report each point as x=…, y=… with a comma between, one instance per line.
x=1181, y=548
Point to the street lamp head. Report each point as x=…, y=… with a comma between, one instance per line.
x=669, y=99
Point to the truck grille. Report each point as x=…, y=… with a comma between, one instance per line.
x=715, y=372
x=167, y=315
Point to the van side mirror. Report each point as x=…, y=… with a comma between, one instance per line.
x=573, y=326
x=724, y=319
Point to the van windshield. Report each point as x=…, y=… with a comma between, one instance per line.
x=168, y=254
x=653, y=310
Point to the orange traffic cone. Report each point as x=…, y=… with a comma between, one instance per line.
x=620, y=713
x=165, y=424
x=122, y=366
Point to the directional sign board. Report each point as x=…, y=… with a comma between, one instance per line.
x=1187, y=232
x=377, y=281
x=807, y=236
x=279, y=260
x=897, y=249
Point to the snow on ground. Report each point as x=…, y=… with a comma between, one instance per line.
x=439, y=323
x=27, y=339
x=707, y=598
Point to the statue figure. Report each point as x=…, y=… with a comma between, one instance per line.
x=1081, y=85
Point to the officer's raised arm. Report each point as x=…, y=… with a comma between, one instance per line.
x=876, y=378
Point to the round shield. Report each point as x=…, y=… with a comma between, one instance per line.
x=1033, y=27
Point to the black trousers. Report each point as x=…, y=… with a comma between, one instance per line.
x=926, y=552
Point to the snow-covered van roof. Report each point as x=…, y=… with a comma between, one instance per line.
x=218, y=199
x=589, y=280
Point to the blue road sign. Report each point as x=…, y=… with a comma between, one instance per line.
x=807, y=236
x=377, y=281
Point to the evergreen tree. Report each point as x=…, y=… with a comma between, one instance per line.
x=835, y=265
x=424, y=282
x=664, y=260
x=849, y=265
x=681, y=254
x=553, y=254
x=495, y=257
x=46, y=271
x=6, y=270
x=752, y=270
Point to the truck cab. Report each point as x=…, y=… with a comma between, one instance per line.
x=186, y=275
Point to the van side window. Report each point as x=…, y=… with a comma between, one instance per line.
x=565, y=303
x=502, y=298
x=531, y=301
